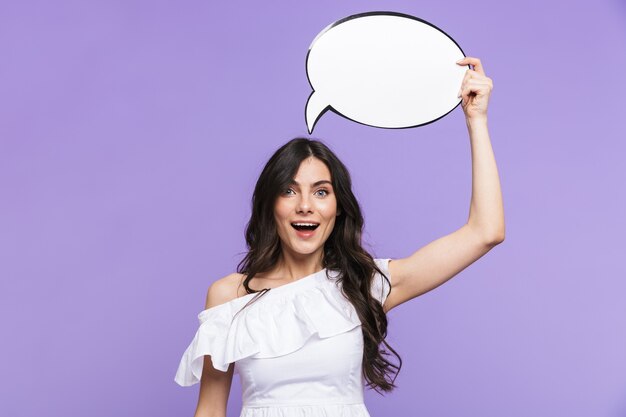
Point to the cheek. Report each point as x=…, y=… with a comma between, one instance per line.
x=279, y=222
x=281, y=217
x=281, y=229
x=329, y=209
x=280, y=211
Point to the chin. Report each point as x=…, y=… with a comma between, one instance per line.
x=305, y=249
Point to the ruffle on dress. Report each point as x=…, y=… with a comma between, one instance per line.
x=277, y=323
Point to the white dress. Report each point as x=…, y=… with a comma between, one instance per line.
x=297, y=349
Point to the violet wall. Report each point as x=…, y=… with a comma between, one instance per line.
x=131, y=135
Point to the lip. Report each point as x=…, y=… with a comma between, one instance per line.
x=305, y=234
x=305, y=221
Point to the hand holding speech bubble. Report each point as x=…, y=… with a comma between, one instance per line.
x=383, y=69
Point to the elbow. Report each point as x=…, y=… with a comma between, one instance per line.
x=490, y=236
x=494, y=239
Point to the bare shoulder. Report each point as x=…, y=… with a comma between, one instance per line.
x=224, y=290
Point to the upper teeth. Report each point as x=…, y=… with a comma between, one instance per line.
x=305, y=224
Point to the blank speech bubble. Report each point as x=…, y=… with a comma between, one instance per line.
x=383, y=69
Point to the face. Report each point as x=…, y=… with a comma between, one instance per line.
x=309, y=200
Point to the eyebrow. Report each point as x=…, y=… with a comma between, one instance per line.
x=315, y=184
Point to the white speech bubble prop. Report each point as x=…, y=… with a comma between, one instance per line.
x=383, y=69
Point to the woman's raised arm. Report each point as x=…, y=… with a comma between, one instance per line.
x=443, y=258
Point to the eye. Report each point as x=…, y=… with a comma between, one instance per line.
x=324, y=191
x=286, y=191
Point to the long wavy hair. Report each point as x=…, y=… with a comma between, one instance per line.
x=342, y=249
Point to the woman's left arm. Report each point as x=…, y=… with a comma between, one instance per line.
x=486, y=213
x=443, y=258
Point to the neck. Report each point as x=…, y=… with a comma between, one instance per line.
x=291, y=267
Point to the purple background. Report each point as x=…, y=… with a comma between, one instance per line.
x=132, y=133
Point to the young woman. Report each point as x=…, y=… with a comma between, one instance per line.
x=303, y=319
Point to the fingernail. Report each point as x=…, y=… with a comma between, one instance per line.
x=460, y=60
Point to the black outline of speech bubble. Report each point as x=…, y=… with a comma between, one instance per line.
x=357, y=16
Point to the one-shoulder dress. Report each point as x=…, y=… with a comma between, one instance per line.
x=298, y=348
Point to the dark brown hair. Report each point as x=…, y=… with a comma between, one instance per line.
x=342, y=249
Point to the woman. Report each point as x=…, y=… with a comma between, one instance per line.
x=300, y=322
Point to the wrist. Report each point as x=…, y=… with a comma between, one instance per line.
x=476, y=121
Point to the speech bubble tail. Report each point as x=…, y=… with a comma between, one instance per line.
x=315, y=107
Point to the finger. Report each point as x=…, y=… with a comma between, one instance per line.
x=478, y=84
x=475, y=62
x=475, y=87
x=462, y=98
x=463, y=62
x=475, y=75
x=468, y=76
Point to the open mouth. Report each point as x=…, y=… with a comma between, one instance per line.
x=301, y=226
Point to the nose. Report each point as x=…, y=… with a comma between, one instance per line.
x=304, y=204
